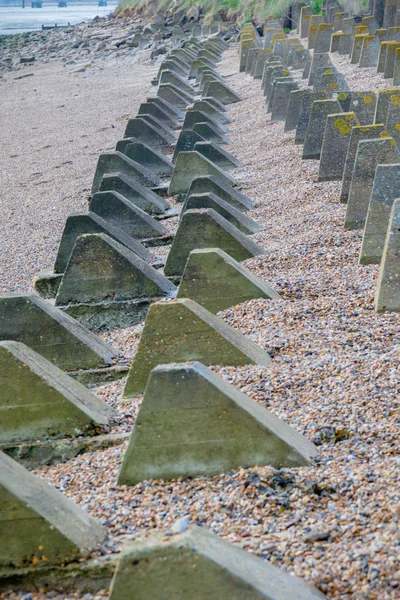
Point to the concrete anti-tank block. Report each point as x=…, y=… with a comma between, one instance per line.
x=205, y=228
x=184, y=331
x=42, y=527
x=198, y=564
x=39, y=401
x=202, y=425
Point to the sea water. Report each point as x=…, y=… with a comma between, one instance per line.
x=18, y=20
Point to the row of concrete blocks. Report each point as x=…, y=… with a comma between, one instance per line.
x=355, y=136
x=55, y=405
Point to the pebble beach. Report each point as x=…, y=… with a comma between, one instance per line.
x=335, y=370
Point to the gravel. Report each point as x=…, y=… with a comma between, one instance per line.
x=334, y=375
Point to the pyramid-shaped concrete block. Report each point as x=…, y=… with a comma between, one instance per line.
x=210, y=132
x=162, y=127
x=211, y=183
x=149, y=108
x=125, y=215
x=181, y=331
x=102, y=270
x=221, y=92
x=174, y=95
x=50, y=332
x=217, y=155
x=226, y=210
x=42, y=527
x=190, y=165
x=387, y=295
x=150, y=158
x=112, y=162
x=147, y=133
x=217, y=281
x=205, y=228
x=81, y=224
x=38, y=400
x=199, y=565
x=202, y=425
x=186, y=142
x=133, y=191
x=182, y=84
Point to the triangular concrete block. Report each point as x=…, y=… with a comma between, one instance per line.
x=210, y=132
x=186, y=142
x=147, y=133
x=42, y=527
x=202, y=425
x=221, y=92
x=212, y=183
x=81, y=224
x=53, y=334
x=38, y=400
x=217, y=155
x=217, y=281
x=149, y=108
x=148, y=157
x=207, y=229
x=200, y=565
x=102, y=270
x=174, y=95
x=133, y=191
x=181, y=331
x=190, y=165
x=125, y=215
x=112, y=162
x=168, y=76
x=226, y=210
x=387, y=295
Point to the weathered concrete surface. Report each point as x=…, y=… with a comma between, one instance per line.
x=150, y=158
x=197, y=564
x=184, y=331
x=147, y=133
x=207, y=229
x=364, y=104
x=335, y=145
x=38, y=400
x=80, y=224
x=210, y=132
x=190, y=165
x=358, y=133
x=217, y=281
x=370, y=153
x=217, y=186
x=217, y=155
x=304, y=114
x=133, y=191
x=221, y=92
x=202, y=425
x=125, y=215
x=316, y=127
x=387, y=294
x=226, y=210
x=293, y=109
x=51, y=333
x=186, y=142
x=112, y=162
x=102, y=270
x=41, y=526
x=280, y=101
x=385, y=189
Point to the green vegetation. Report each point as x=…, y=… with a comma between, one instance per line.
x=242, y=9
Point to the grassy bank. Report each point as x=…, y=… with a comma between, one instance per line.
x=240, y=10
x=228, y=9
